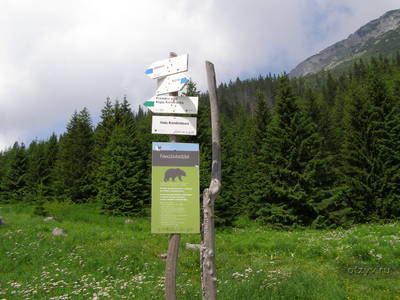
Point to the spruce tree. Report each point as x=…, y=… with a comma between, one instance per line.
x=36, y=168
x=73, y=168
x=241, y=147
x=51, y=153
x=369, y=150
x=253, y=178
x=14, y=187
x=330, y=89
x=103, y=132
x=397, y=60
x=225, y=203
x=262, y=119
x=390, y=208
x=2, y=166
x=290, y=151
x=121, y=175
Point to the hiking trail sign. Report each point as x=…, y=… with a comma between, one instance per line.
x=168, y=66
x=173, y=104
x=171, y=84
x=174, y=125
x=175, y=188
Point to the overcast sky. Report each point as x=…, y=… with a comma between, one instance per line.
x=61, y=56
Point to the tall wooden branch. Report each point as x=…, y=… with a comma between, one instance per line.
x=173, y=245
x=209, y=279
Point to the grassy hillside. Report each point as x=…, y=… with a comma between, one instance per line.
x=109, y=257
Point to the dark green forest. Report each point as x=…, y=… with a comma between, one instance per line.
x=321, y=151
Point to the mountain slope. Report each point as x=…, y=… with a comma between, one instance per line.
x=380, y=36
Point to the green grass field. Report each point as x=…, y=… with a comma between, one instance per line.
x=106, y=257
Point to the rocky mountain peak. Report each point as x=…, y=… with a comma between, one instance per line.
x=356, y=45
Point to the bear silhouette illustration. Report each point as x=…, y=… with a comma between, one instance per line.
x=173, y=173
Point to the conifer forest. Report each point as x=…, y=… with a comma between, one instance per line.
x=321, y=151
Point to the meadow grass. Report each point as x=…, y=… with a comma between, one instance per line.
x=105, y=257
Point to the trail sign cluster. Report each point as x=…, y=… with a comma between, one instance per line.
x=171, y=77
x=175, y=166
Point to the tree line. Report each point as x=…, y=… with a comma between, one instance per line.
x=319, y=151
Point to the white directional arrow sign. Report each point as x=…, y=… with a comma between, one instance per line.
x=172, y=83
x=173, y=104
x=174, y=125
x=168, y=66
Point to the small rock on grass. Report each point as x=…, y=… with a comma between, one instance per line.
x=48, y=219
x=58, y=231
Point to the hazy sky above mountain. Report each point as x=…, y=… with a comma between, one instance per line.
x=59, y=56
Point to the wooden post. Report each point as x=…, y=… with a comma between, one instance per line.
x=173, y=245
x=208, y=276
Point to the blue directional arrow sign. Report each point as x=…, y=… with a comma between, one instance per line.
x=172, y=83
x=167, y=67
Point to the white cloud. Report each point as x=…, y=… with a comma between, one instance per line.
x=58, y=56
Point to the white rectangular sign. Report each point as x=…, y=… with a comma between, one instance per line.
x=173, y=104
x=169, y=66
x=172, y=83
x=174, y=125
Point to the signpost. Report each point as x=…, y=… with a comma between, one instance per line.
x=175, y=205
x=173, y=104
x=175, y=166
x=168, y=66
x=172, y=83
x=174, y=125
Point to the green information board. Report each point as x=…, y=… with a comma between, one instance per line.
x=175, y=204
